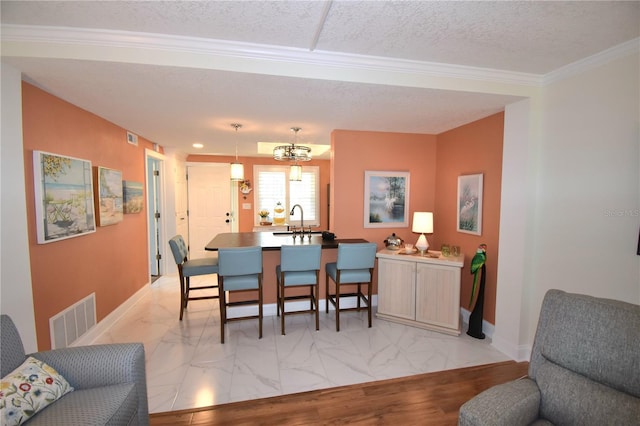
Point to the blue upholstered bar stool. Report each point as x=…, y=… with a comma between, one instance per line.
x=354, y=266
x=299, y=267
x=240, y=270
x=189, y=268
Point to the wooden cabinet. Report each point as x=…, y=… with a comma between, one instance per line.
x=420, y=291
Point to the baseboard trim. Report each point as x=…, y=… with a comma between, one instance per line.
x=97, y=330
x=517, y=352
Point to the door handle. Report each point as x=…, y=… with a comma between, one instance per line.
x=228, y=214
x=227, y=221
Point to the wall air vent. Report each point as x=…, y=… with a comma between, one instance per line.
x=132, y=138
x=69, y=325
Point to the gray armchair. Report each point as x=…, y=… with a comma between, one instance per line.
x=584, y=369
x=109, y=381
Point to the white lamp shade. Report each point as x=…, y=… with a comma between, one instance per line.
x=423, y=222
x=237, y=171
x=295, y=172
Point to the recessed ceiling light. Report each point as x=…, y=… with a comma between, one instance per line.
x=198, y=145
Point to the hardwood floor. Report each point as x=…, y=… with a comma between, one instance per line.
x=425, y=399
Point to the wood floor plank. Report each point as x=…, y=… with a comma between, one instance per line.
x=426, y=399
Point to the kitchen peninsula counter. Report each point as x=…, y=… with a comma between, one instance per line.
x=270, y=241
x=271, y=245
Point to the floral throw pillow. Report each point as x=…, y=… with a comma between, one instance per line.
x=29, y=389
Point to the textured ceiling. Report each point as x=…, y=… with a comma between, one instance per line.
x=176, y=104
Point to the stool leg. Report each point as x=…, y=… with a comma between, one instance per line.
x=338, y=304
x=182, y=301
x=281, y=303
x=260, y=306
x=278, y=278
x=316, y=297
x=369, y=302
x=223, y=309
x=326, y=293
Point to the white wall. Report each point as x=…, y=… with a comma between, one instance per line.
x=174, y=165
x=586, y=197
x=16, y=298
x=516, y=219
x=588, y=208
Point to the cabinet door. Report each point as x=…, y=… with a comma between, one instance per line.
x=396, y=288
x=438, y=295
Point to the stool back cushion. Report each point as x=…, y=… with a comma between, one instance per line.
x=239, y=261
x=178, y=248
x=356, y=255
x=300, y=258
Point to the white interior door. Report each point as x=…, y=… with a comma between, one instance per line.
x=210, y=207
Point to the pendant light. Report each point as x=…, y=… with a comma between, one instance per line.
x=295, y=172
x=237, y=169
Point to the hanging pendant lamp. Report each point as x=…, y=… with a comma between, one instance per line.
x=237, y=169
x=295, y=172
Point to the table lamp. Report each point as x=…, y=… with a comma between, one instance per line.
x=422, y=223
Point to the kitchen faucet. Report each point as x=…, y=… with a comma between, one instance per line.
x=301, y=215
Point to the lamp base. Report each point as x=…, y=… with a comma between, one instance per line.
x=422, y=245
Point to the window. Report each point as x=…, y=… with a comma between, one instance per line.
x=272, y=185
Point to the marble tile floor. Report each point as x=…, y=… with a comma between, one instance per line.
x=187, y=367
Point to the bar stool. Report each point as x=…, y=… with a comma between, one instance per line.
x=354, y=266
x=299, y=267
x=239, y=270
x=189, y=268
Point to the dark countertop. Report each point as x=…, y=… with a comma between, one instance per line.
x=268, y=241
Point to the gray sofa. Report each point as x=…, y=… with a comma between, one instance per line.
x=109, y=381
x=584, y=369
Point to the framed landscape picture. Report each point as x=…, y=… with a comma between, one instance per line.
x=132, y=192
x=470, y=204
x=386, y=199
x=109, y=203
x=63, y=195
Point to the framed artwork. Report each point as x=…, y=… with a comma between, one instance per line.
x=109, y=203
x=64, y=197
x=386, y=199
x=470, y=204
x=132, y=194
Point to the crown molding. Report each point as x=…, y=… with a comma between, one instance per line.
x=593, y=61
x=280, y=54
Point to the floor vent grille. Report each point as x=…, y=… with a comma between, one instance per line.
x=67, y=326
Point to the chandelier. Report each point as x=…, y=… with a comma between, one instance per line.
x=292, y=152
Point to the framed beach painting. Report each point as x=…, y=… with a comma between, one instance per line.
x=470, y=204
x=132, y=192
x=386, y=199
x=63, y=195
x=109, y=203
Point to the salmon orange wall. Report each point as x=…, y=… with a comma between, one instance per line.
x=247, y=218
x=470, y=149
x=355, y=152
x=112, y=262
